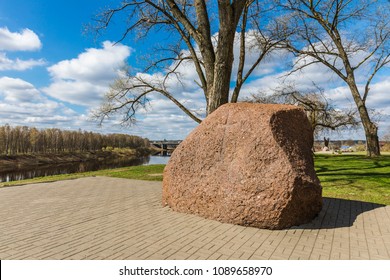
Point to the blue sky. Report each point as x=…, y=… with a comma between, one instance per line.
x=52, y=74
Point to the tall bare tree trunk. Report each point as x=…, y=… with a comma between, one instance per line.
x=373, y=148
x=229, y=16
x=219, y=92
x=370, y=129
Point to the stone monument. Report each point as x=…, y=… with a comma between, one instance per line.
x=247, y=164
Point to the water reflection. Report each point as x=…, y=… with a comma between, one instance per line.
x=76, y=167
x=164, y=153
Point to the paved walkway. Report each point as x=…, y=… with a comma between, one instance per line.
x=110, y=218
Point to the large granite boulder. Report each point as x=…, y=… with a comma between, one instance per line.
x=246, y=164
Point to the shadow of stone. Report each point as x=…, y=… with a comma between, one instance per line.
x=339, y=213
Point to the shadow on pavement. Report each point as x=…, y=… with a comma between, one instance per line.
x=338, y=213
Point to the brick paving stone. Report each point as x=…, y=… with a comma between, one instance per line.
x=111, y=218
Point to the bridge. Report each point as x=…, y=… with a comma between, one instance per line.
x=165, y=144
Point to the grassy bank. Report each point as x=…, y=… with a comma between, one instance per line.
x=354, y=177
x=142, y=172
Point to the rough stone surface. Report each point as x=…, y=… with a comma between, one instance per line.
x=246, y=164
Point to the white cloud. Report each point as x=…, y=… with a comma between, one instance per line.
x=85, y=79
x=17, y=90
x=18, y=64
x=267, y=66
x=83, y=93
x=25, y=40
x=22, y=104
x=94, y=65
x=379, y=95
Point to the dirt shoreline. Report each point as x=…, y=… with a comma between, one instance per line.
x=11, y=163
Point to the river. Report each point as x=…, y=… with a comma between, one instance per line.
x=77, y=167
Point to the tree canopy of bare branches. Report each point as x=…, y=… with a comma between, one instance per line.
x=202, y=33
x=351, y=38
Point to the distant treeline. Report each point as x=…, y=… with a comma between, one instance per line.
x=26, y=140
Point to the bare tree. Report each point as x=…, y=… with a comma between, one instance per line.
x=202, y=33
x=351, y=38
x=320, y=111
x=26, y=140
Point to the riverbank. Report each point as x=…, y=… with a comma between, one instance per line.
x=141, y=172
x=17, y=162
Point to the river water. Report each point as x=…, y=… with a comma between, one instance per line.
x=76, y=167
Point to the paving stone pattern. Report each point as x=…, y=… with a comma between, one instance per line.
x=111, y=218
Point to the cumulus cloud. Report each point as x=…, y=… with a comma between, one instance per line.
x=269, y=63
x=23, y=104
x=18, y=90
x=82, y=93
x=25, y=40
x=18, y=64
x=379, y=95
x=85, y=79
x=95, y=65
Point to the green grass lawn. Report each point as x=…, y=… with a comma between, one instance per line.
x=143, y=172
x=354, y=177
